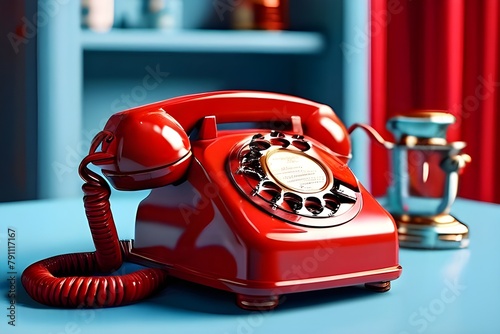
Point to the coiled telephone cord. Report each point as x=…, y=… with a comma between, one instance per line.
x=67, y=281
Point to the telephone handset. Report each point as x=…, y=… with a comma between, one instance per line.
x=260, y=212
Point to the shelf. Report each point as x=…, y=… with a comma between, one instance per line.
x=222, y=41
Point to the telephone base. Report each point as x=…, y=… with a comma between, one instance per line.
x=263, y=296
x=441, y=231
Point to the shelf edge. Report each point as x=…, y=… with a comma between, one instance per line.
x=201, y=41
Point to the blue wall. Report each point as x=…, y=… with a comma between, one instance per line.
x=49, y=116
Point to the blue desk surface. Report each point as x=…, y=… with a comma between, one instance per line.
x=452, y=291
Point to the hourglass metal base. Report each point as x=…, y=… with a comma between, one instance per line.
x=432, y=232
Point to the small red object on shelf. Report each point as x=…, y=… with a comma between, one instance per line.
x=271, y=14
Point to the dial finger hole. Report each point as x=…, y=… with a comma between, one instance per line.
x=271, y=186
x=270, y=191
x=313, y=205
x=280, y=142
x=254, y=174
x=293, y=201
x=301, y=145
x=258, y=136
x=259, y=144
x=251, y=156
x=331, y=202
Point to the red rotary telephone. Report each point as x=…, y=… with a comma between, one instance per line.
x=260, y=212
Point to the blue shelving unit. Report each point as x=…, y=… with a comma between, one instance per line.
x=84, y=77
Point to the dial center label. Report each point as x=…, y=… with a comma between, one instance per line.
x=296, y=171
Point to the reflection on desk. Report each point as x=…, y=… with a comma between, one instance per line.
x=447, y=291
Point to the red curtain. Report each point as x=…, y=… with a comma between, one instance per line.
x=440, y=54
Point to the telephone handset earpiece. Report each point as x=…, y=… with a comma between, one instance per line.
x=139, y=150
x=151, y=149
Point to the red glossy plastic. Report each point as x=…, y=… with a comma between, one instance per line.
x=257, y=212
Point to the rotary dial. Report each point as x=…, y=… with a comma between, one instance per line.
x=285, y=175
